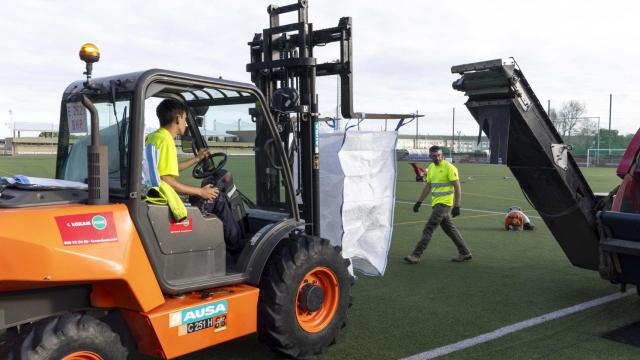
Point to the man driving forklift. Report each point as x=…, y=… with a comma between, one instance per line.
x=162, y=166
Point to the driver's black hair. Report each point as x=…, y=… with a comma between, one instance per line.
x=434, y=148
x=168, y=109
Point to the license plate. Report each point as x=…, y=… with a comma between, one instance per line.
x=199, y=325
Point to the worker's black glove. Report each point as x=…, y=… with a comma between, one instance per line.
x=416, y=207
x=455, y=211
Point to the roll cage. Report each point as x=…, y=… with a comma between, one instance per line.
x=165, y=83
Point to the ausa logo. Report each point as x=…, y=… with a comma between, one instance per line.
x=194, y=314
x=99, y=222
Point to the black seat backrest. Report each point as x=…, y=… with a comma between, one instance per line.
x=623, y=226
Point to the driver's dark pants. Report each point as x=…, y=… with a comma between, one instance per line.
x=221, y=208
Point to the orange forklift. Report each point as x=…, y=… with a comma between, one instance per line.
x=89, y=269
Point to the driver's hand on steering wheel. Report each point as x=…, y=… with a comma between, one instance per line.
x=209, y=192
x=202, y=154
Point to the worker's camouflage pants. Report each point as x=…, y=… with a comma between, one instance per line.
x=440, y=215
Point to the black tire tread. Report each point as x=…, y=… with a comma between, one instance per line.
x=277, y=326
x=50, y=337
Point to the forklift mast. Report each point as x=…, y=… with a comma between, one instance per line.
x=523, y=137
x=284, y=68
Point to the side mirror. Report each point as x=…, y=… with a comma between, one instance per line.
x=198, y=113
x=199, y=110
x=187, y=144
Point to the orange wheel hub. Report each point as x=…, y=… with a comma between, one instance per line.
x=317, y=299
x=83, y=355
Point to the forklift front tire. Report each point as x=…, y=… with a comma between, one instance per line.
x=68, y=337
x=304, y=297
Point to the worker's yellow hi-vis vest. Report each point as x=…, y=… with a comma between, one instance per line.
x=442, y=177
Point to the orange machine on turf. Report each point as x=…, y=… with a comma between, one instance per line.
x=91, y=270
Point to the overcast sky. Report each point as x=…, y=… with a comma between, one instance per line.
x=403, y=50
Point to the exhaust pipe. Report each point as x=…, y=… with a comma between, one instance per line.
x=97, y=160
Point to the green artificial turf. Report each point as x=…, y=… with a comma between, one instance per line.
x=40, y=166
x=513, y=276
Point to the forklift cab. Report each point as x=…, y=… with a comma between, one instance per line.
x=189, y=255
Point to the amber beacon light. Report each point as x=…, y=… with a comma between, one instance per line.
x=89, y=53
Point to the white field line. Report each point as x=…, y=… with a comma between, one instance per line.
x=460, y=345
x=477, y=210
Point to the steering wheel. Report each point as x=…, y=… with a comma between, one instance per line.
x=207, y=166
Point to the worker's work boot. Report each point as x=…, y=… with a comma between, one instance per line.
x=462, y=258
x=412, y=259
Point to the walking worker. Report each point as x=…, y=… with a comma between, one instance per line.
x=443, y=182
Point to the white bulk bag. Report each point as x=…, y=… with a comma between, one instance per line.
x=357, y=195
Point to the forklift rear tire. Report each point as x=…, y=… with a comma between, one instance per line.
x=304, y=297
x=68, y=337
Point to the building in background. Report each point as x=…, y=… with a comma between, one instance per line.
x=31, y=138
x=461, y=144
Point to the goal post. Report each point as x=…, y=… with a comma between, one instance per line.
x=604, y=157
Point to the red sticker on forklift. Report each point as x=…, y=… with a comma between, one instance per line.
x=185, y=225
x=87, y=229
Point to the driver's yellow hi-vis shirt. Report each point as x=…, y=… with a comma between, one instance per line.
x=163, y=142
x=161, y=159
x=442, y=177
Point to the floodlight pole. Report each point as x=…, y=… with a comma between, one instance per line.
x=11, y=122
x=415, y=145
x=598, y=141
x=453, y=134
x=549, y=107
x=610, y=102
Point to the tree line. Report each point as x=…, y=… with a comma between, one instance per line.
x=582, y=131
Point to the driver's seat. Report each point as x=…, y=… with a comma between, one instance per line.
x=192, y=247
